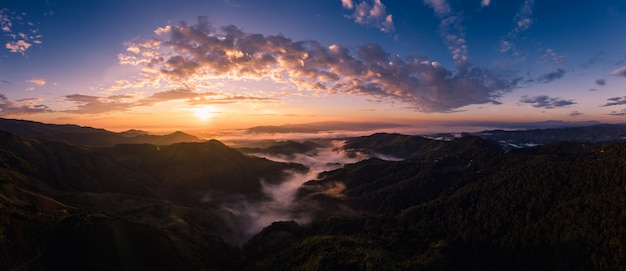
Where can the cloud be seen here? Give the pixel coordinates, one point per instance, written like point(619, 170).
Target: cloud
point(485, 3)
point(371, 13)
point(21, 107)
point(521, 22)
point(199, 98)
point(19, 46)
point(318, 127)
point(192, 54)
point(168, 95)
point(20, 33)
point(621, 71)
point(37, 81)
point(615, 101)
point(592, 60)
point(347, 4)
point(576, 114)
point(523, 18)
point(451, 29)
point(620, 113)
point(551, 76)
point(600, 82)
point(544, 101)
point(87, 104)
point(552, 57)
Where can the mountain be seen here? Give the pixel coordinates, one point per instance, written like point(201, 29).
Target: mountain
point(80, 135)
point(131, 206)
point(406, 146)
point(594, 134)
point(558, 206)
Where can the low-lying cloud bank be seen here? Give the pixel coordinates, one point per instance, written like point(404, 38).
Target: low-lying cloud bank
point(248, 217)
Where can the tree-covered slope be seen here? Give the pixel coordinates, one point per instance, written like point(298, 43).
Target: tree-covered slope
point(555, 207)
point(126, 207)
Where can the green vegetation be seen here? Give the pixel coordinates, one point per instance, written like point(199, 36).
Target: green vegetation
point(459, 205)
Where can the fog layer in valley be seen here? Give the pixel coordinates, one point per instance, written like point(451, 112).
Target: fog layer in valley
point(249, 217)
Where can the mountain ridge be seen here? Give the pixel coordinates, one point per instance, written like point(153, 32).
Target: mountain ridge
point(84, 135)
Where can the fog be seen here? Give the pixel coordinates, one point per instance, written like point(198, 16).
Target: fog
point(248, 217)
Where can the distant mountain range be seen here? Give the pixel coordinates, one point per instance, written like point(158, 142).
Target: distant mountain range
point(81, 135)
point(594, 134)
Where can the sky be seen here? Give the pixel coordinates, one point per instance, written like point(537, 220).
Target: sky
point(233, 64)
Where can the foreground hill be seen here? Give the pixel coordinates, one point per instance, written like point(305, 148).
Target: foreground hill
point(133, 206)
point(81, 135)
point(555, 207)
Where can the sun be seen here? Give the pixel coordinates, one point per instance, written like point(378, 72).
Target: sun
point(205, 112)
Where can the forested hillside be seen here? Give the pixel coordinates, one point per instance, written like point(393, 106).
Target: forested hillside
point(465, 204)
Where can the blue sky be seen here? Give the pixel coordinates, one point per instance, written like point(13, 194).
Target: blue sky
point(240, 63)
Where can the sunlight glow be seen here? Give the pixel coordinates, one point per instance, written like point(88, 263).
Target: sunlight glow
point(205, 112)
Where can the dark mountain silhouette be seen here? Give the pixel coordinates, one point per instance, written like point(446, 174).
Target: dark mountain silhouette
point(81, 135)
point(68, 206)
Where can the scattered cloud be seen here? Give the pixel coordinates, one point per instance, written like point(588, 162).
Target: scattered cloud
point(551, 76)
point(592, 60)
point(20, 33)
point(621, 71)
point(615, 101)
point(191, 54)
point(523, 19)
point(327, 126)
point(21, 107)
point(168, 95)
point(370, 13)
point(347, 4)
point(521, 22)
point(600, 82)
point(621, 113)
point(451, 29)
point(485, 3)
point(19, 46)
point(552, 57)
point(87, 104)
point(37, 81)
point(576, 114)
point(547, 102)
